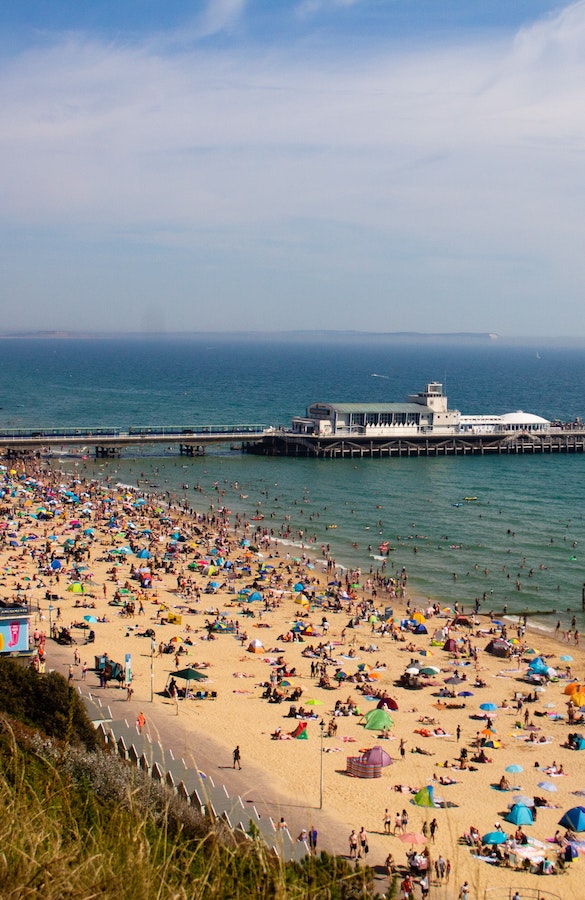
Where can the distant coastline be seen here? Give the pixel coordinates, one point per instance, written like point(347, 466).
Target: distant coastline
point(310, 337)
point(412, 336)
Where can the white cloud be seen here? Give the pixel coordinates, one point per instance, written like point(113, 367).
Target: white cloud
point(220, 15)
point(455, 170)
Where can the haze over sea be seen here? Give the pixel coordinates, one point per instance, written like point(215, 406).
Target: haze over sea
point(526, 526)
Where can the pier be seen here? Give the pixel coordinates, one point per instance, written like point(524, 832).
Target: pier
point(264, 440)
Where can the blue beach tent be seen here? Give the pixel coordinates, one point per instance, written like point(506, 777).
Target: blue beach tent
point(574, 819)
point(520, 815)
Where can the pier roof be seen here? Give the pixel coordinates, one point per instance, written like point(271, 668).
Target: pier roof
point(374, 407)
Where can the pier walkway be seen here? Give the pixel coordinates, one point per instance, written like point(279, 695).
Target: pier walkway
point(109, 441)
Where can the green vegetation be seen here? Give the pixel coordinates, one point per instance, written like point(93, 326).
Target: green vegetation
point(77, 822)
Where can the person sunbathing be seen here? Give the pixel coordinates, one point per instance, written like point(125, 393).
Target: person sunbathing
point(504, 784)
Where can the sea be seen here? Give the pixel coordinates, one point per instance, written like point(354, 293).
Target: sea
point(519, 547)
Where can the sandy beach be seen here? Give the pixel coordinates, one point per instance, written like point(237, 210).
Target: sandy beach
point(349, 655)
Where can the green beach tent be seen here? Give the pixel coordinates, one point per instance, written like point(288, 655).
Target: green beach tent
point(424, 797)
point(378, 719)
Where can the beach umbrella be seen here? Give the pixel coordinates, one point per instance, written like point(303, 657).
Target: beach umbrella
point(520, 815)
point(488, 707)
point(412, 837)
point(299, 586)
point(494, 837)
point(91, 619)
point(494, 744)
point(190, 674)
point(566, 658)
point(454, 679)
point(56, 564)
point(574, 819)
point(314, 702)
point(430, 670)
point(488, 730)
point(515, 768)
point(412, 670)
point(465, 694)
point(521, 800)
point(547, 786)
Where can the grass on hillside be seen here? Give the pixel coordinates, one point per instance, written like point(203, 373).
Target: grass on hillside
point(79, 823)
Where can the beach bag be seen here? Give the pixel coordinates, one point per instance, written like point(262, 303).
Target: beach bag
point(366, 848)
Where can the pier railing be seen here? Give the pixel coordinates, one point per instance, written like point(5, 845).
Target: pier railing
point(147, 431)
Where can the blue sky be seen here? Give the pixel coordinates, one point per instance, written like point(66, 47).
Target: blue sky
point(390, 165)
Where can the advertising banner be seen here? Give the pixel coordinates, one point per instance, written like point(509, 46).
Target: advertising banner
point(13, 635)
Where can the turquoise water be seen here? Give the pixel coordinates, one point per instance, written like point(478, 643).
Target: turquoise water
point(526, 524)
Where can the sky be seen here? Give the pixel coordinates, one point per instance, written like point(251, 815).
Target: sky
point(265, 165)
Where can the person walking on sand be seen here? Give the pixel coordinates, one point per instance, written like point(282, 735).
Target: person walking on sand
point(464, 891)
point(237, 758)
point(433, 829)
point(313, 836)
point(406, 887)
point(353, 844)
point(387, 821)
